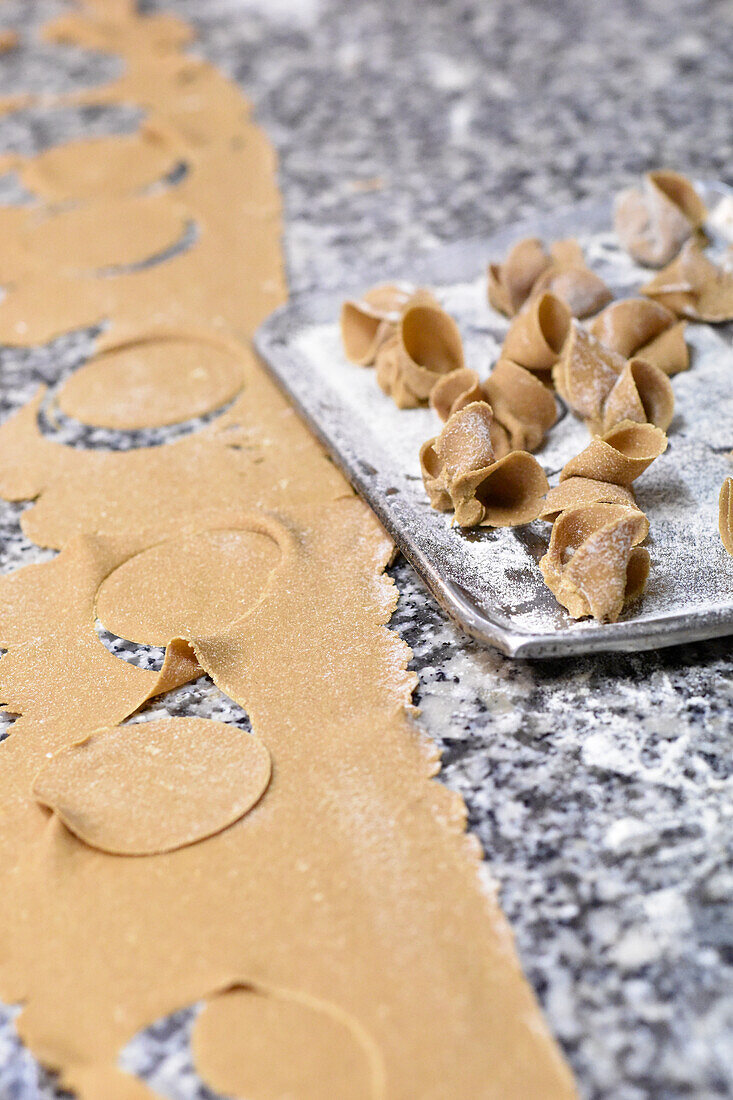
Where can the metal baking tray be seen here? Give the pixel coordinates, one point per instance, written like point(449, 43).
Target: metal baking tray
point(488, 580)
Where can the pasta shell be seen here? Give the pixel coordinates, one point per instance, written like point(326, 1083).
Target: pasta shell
point(655, 220)
point(427, 347)
point(368, 322)
point(593, 565)
point(669, 350)
point(454, 391)
point(582, 291)
point(640, 326)
point(460, 462)
point(586, 372)
point(693, 286)
point(583, 490)
point(521, 403)
point(619, 456)
point(511, 282)
point(725, 514)
point(536, 336)
point(643, 393)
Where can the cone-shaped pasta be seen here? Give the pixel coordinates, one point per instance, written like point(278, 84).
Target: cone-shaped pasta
point(654, 221)
point(460, 463)
point(669, 350)
point(643, 393)
point(619, 456)
point(426, 346)
point(537, 334)
point(585, 373)
point(583, 490)
point(725, 514)
point(521, 403)
point(524, 409)
point(593, 565)
point(511, 282)
point(693, 286)
point(582, 291)
point(644, 328)
point(368, 322)
point(454, 391)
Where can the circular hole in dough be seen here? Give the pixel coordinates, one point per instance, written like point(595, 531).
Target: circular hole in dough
point(193, 586)
point(264, 1046)
point(152, 383)
point(155, 786)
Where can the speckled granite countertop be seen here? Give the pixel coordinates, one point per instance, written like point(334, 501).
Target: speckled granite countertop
point(602, 790)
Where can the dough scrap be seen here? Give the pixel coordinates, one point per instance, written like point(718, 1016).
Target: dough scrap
point(643, 393)
point(594, 564)
point(285, 1046)
point(693, 286)
point(536, 335)
point(277, 903)
point(425, 347)
point(640, 327)
point(585, 373)
point(154, 786)
point(619, 456)
point(368, 322)
point(655, 220)
point(460, 472)
point(725, 514)
point(153, 380)
point(583, 490)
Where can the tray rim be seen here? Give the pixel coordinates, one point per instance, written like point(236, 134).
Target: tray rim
point(271, 341)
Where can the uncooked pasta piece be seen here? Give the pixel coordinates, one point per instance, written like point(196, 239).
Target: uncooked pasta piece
point(654, 221)
point(584, 490)
point(425, 347)
point(524, 409)
point(619, 456)
point(693, 286)
point(530, 270)
point(725, 514)
point(154, 786)
point(368, 322)
point(511, 282)
point(521, 404)
point(536, 335)
point(454, 391)
point(572, 281)
point(645, 328)
point(643, 393)
point(593, 565)
point(585, 373)
point(460, 471)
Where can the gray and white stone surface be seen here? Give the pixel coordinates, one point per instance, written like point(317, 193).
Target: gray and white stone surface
point(602, 790)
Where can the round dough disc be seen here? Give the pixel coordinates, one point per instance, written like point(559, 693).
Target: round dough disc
point(151, 383)
point(187, 588)
point(264, 1046)
point(94, 167)
point(155, 786)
